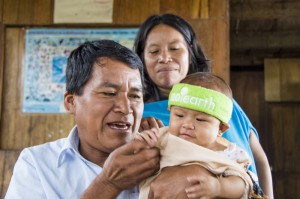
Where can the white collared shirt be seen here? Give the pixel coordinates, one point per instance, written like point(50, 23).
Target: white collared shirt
point(55, 170)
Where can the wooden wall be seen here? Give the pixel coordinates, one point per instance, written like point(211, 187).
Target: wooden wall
point(18, 130)
point(278, 124)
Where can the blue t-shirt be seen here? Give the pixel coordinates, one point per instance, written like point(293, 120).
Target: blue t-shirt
point(239, 131)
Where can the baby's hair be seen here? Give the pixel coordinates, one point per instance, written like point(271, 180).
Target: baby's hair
point(210, 81)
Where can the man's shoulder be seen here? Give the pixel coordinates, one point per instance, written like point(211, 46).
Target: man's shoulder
point(47, 150)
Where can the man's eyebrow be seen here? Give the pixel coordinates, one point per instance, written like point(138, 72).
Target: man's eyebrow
point(108, 84)
point(137, 89)
point(116, 86)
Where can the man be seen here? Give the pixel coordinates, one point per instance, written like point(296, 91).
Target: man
point(104, 92)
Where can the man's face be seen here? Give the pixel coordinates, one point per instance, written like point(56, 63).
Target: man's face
point(110, 108)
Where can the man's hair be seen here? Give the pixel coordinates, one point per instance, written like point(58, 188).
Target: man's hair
point(199, 63)
point(82, 59)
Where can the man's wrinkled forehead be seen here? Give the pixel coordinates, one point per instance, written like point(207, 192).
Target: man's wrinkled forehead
point(130, 76)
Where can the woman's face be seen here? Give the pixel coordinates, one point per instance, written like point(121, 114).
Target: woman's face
point(166, 57)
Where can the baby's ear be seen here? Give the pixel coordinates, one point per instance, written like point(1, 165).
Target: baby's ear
point(224, 127)
point(69, 103)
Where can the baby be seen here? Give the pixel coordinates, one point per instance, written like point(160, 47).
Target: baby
point(200, 108)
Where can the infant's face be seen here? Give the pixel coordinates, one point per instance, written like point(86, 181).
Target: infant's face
point(194, 126)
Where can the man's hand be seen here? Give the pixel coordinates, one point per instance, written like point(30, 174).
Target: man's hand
point(125, 168)
point(130, 164)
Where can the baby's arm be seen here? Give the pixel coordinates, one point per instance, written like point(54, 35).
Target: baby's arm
point(149, 136)
point(226, 187)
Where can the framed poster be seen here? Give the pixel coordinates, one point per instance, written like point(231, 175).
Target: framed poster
point(46, 53)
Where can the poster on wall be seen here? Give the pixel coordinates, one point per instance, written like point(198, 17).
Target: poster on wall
point(46, 53)
point(83, 11)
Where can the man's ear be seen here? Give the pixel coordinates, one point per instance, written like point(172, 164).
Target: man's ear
point(69, 103)
point(224, 127)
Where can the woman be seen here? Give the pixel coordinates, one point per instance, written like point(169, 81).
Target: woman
point(169, 49)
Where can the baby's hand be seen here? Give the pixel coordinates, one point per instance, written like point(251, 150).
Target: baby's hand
point(150, 136)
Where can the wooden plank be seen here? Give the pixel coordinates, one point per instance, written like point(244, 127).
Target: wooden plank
point(195, 9)
point(43, 12)
point(285, 120)
point(246, 88)
point(28, 12)
point(263, 10)
point(133, 12)
point(282, 82)
point(17, 129)
point(1, 9)
point(287, 185)
point(268, 40)
point(272, 80)
point(219, 15)
point(204, 9)
point(7, 162)
point(10, 9)
point(1, 63)
point(178, 7)
point(290, 79)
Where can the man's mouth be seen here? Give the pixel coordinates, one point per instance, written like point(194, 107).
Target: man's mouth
point(119, 125)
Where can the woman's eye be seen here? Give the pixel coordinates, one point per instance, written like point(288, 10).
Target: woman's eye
point(153, 51)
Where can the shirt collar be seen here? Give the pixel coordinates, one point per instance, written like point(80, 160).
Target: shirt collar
point(70, 146)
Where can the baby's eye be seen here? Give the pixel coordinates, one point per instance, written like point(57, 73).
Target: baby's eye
point(179, 115)
point(200, 119)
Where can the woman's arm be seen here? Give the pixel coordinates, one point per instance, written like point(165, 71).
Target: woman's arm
point(212, 187)
point(262, 165)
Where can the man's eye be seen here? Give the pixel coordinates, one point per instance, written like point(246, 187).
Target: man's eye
point(109, 94)
point(134, 96)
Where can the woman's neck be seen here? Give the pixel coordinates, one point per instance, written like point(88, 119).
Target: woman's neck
point(164, 93)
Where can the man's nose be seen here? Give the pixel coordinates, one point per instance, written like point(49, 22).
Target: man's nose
point(122, 105)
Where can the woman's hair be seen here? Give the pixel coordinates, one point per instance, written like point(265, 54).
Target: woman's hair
point(199, 63)
point(82, 59)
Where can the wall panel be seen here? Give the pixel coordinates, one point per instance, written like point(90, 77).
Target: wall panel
point(27, 12)
point(18, 129)
point(134, 12)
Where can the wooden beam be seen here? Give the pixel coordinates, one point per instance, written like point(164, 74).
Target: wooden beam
point(265, 40)
point(263, 10)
